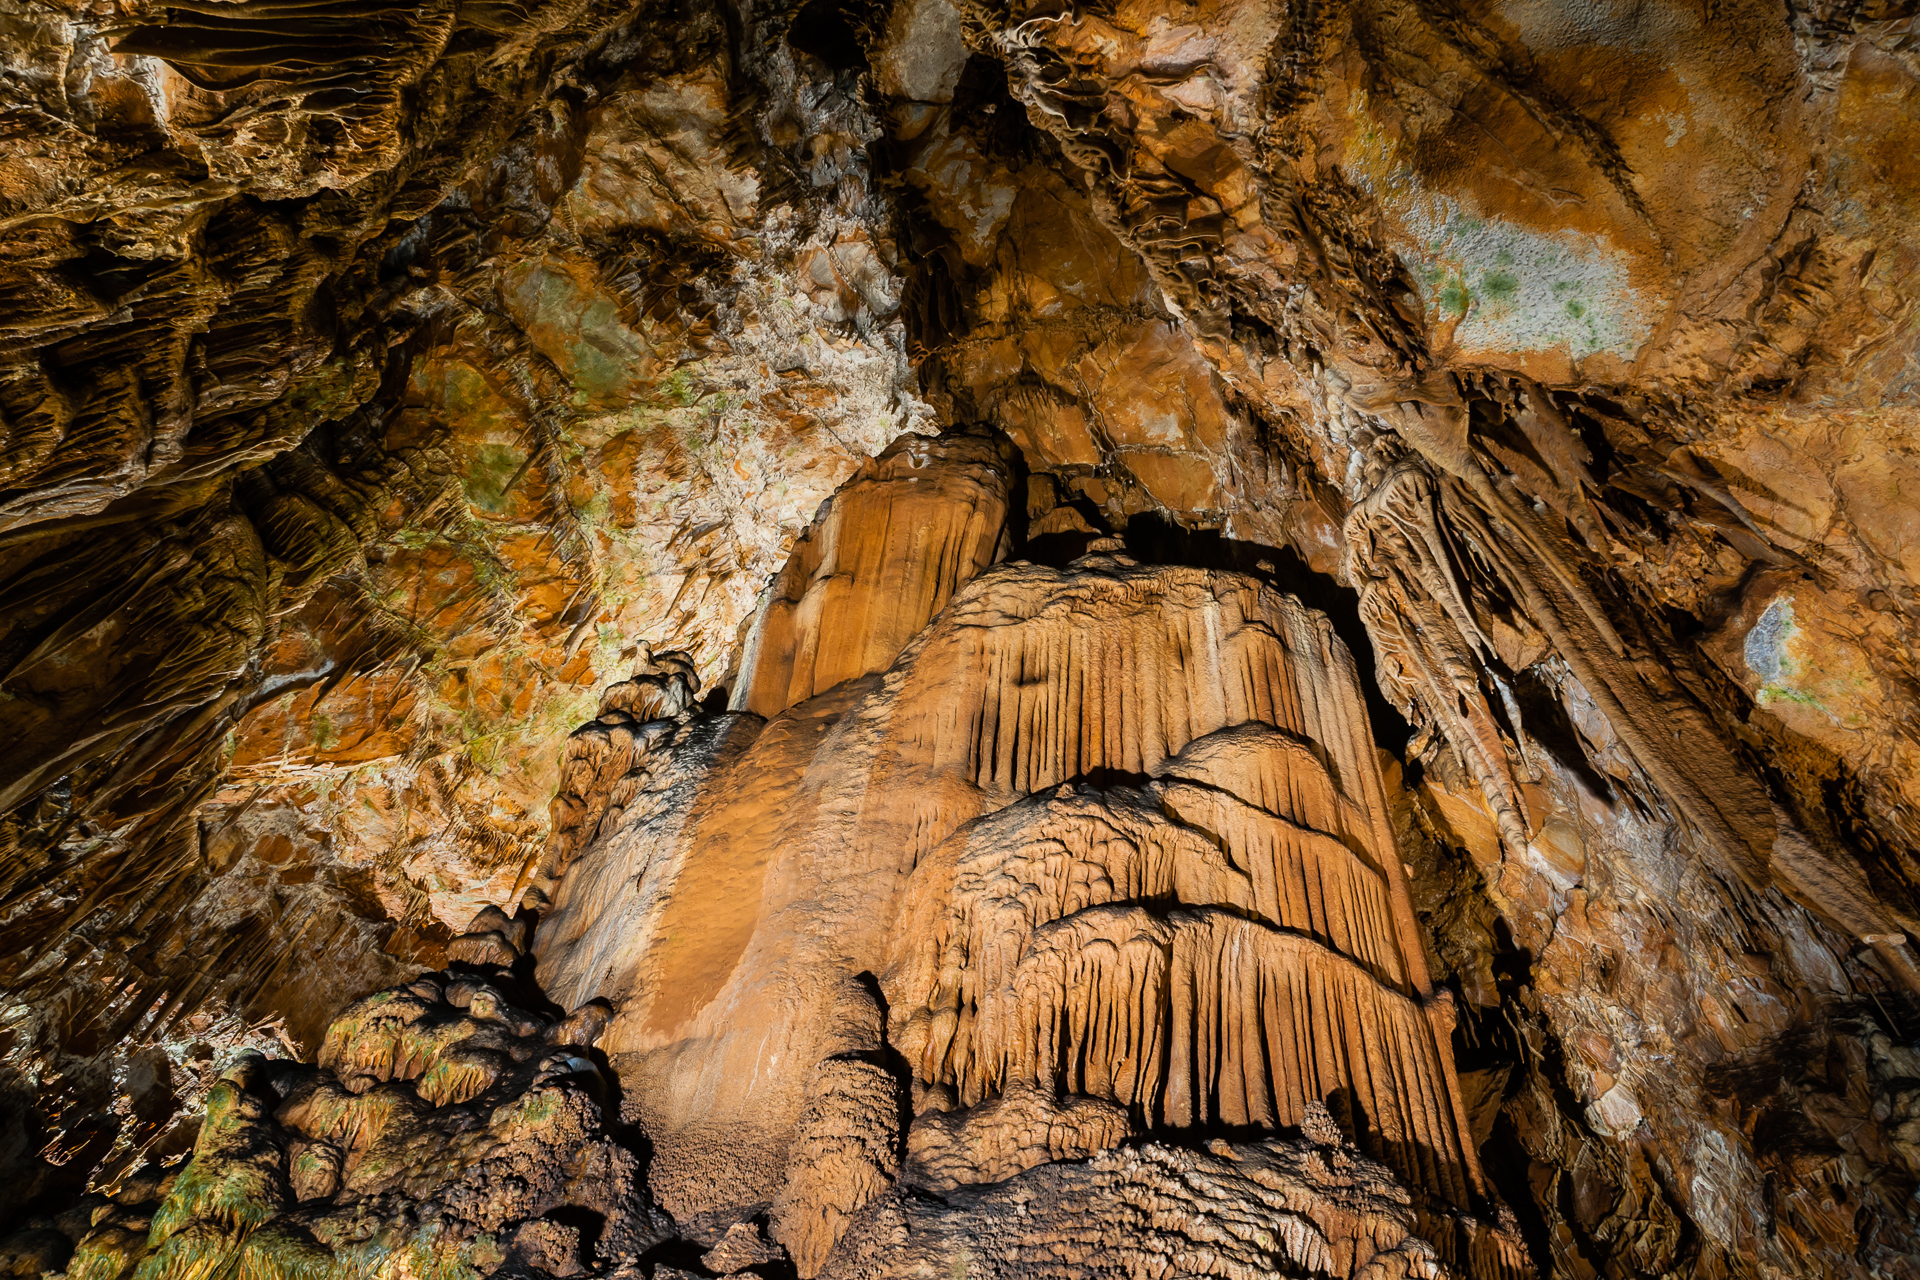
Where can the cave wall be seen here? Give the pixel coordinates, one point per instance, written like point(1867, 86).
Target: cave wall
point(383, 385)
point(451, 401)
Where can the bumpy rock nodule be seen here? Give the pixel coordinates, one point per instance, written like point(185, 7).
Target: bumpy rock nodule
point(441, 1130)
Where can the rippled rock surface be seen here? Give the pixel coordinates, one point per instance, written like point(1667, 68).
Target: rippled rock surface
point(414, 428)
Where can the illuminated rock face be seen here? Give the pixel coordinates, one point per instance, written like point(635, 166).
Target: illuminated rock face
point(404, 411)
point(894, 544)
point(1102, 850)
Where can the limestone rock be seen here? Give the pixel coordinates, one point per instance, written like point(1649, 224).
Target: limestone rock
point(1231, 1209)
point(743, 1246)
point(886, 554)
point(1022, 1127)
point(438, 1127)
point(1113, 840)
point(415, 423)
point(844, 1154)
point(349, 506)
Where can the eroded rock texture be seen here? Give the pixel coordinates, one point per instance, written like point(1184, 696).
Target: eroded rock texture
point(441, 1130)
point(1101, 851)
point(370, 375)
point(1151, 1209)
point(416, 421)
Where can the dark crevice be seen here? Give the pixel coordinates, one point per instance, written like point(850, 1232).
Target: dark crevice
point(1152, 539)
point(824, 29)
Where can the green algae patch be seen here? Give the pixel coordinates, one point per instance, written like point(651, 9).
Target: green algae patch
point(1510, 288)
point(578, 326)
point(233, 1184)
point(491, 469)
point(431, 1128)
point(1805, 673)
point(234, 1177)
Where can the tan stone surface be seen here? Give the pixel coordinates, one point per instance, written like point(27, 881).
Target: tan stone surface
point(404, 411)
point(1232, 1209)
point(331, 682)
point(914, 524)
point(900, 873)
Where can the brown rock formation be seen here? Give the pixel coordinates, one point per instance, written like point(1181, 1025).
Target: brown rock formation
point(1104, 850)
point(883, 558)
point(384, 389)
point(441, 1128)
point(346, 464)
point(1229, 1209)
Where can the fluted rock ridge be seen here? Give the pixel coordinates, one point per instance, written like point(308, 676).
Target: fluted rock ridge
point(1102, 851)
point(882, 558)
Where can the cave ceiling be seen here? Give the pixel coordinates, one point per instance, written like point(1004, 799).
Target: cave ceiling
point(936, 637)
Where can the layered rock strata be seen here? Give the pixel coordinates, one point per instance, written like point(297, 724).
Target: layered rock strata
point(1242, 1208)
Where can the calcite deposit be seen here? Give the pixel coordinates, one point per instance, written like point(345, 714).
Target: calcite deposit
point(947, 637)
point(1098, 852)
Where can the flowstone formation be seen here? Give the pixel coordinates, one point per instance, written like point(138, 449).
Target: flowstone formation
point(415, 423)
point(1097, 852)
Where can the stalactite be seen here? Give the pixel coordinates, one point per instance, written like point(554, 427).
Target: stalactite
point(1111, 840)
